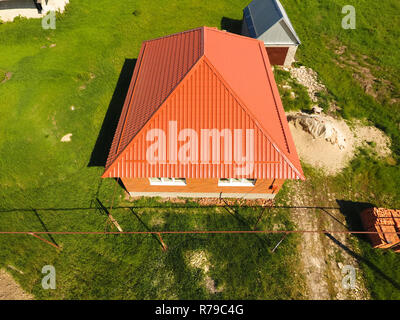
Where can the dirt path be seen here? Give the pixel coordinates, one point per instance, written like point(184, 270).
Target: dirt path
point(323, 256)
point(10, 290)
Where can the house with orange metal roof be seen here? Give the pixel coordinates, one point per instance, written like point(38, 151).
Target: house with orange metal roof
point(203, 118)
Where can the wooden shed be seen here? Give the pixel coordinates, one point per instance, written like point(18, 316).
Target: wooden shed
point(203, 118)
point(266, 20)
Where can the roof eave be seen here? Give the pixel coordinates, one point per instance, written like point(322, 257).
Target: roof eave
point(108, 168)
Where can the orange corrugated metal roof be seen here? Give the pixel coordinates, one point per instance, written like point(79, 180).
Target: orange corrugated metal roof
point(203, 78)
point(382, 220)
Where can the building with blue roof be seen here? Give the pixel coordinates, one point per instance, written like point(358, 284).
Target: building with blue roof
point(268, 21)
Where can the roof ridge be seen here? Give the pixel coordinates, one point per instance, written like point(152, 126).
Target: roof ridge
point(278, 9)
point(286, 19)
point(130, 91)
point(119, 151)
point(276, 104)
point(232, 34)
point(173, 35)
point(280, 14)
point(252, 20)
point(129, 103)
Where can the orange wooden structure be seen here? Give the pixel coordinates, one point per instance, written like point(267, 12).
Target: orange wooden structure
point(386, 222)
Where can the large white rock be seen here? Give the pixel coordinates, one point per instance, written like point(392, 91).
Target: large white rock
point(319, 127)
point(66, 138)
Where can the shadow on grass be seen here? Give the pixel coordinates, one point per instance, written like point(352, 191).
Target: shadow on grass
point(99, 154)
point(351, 210)
point(44, 227)
point(239, 265)
point(231, 25)
point(161, 206)
point(147, 227)
point(234, 212)
point(361, 259)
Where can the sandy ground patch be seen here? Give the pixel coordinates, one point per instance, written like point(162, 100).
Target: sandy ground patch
point(199, 259)
point(325, 153)
point(10, 290)
point(326, 142)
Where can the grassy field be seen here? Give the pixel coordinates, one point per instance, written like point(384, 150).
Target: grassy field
point(135, 267)
point(379, 266)
point(54, 183)
point(94, 42)
point(372, 45)
point(370, 56)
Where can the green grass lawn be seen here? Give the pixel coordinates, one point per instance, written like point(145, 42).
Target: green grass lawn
point(374, 46)
point(93, 42)
point(135, 267)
